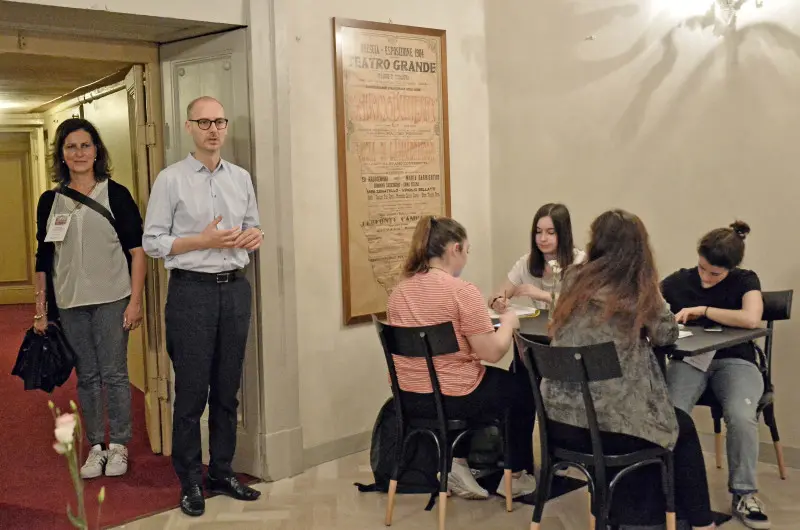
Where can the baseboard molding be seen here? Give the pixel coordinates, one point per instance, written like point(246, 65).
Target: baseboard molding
point(333, 450)
point(766, 451)
point(282, 454)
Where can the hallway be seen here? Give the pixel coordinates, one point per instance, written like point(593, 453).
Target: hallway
point(35, 484)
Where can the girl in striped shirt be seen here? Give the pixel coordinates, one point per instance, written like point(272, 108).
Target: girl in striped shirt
point(432, 293)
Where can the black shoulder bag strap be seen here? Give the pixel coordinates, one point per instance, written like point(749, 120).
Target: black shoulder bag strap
point(97, 207)
point(89, 202)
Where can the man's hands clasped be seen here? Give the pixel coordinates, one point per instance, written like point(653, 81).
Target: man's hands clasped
point(213, 237)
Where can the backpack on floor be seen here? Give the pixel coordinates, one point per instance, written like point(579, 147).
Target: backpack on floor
point(421, 459)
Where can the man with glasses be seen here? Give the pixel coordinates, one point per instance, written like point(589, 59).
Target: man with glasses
point(202, 219)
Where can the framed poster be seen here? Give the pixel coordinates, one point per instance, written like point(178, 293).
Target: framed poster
point(393, 150)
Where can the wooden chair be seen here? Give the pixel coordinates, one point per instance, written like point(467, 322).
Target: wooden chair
point(426, 343)
point(777, 306)
point(583, 365)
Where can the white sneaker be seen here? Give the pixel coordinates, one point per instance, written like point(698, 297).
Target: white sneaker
point(522, 485)
point(95, 462)
point(750, 510)
point(462, 484)
point(117, 460)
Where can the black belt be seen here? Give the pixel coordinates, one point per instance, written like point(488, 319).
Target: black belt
point(209, 277)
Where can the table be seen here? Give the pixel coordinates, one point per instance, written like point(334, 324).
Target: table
point(705, 341)
point(699, 342)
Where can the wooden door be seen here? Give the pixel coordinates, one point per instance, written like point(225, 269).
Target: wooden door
point(151, 345)
point(16, 216)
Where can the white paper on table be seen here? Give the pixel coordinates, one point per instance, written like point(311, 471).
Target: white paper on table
point(520, 310)
point(683, 333)
point(702, 361)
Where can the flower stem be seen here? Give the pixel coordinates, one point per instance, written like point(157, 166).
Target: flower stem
point(77, 481)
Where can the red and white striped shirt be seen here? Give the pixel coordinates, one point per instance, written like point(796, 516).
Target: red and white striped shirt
point(431, 298)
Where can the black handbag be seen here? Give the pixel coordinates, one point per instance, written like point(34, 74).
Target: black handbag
point(44, 361)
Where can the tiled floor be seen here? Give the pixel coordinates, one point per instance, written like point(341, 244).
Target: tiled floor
point(324, 498)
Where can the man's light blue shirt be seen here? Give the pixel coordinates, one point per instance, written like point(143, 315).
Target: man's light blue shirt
point(185, 198)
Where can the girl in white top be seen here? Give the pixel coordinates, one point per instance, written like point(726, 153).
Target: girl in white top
point(532, 275)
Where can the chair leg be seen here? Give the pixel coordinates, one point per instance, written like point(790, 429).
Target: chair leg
point(769, 419)
point(398, 464)
point(671, 523)
point(507, 472)
point(592, 520)
point(390, 505)
point(507, 477)
point(718, 441)
point(445, 458)
point(542, 492)
point(779, 457)
point(602, 500)
point(442, 509)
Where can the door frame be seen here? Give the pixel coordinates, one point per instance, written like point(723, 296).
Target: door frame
point(232, 44)
point(145, 54)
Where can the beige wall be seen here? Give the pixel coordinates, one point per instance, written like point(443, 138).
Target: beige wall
point(342, 370)
point(687, 129)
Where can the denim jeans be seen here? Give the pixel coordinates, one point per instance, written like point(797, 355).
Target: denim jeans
point(738, 386)
point(100, 342)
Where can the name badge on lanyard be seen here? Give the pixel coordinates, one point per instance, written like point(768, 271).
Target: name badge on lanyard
point(57, 230)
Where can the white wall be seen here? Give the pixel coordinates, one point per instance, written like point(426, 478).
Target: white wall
point(342, 371)
point(602, 104)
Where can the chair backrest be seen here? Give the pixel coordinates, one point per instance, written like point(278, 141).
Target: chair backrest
point(425, 342)
point(573, 364)
point(777, 306)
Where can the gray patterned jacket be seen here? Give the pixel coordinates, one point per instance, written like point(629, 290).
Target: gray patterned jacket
point(637, 404)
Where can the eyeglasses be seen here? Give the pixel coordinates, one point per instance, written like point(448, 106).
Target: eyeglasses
point(205, 124)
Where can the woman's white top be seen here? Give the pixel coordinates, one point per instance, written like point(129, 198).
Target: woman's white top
point(521, 275)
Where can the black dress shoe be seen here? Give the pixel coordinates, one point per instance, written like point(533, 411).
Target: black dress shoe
point(192, 501)
point(231, 487)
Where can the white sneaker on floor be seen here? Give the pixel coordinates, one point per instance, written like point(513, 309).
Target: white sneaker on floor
point(522, 485)
point(95, 462)
point(750, 511)
point(117, 460)
point(462, 484)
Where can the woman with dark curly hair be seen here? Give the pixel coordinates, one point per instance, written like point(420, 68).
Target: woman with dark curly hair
point(90, 271)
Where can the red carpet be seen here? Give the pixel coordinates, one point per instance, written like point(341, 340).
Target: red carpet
point(35, 484)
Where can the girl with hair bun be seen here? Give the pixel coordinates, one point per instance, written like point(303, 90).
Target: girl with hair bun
point(718, 292)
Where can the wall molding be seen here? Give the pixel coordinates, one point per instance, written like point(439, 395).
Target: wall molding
point(335, 449)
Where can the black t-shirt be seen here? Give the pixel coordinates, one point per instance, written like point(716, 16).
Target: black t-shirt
point(684, 289)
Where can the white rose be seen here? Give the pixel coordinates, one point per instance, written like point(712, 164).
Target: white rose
point(65, 428)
